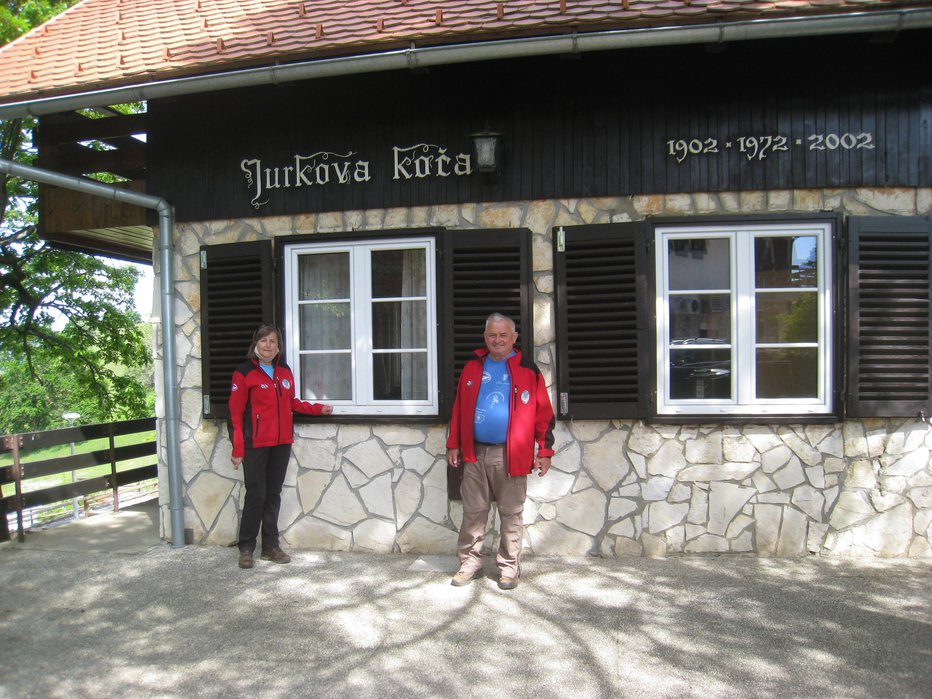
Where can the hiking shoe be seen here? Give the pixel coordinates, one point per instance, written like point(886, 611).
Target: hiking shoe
point(276, 555)
point(464, 578)
point(505, 583)
point(245, 559)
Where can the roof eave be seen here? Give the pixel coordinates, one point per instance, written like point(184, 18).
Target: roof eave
point(405, 55)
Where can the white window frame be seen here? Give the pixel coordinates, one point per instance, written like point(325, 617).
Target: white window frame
point(360, 301)
point(742, 294)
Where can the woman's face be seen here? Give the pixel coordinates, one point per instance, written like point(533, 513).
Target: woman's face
point(267, 348)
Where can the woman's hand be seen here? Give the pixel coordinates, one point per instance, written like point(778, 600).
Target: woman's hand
point(327, 410)
point(237, 460)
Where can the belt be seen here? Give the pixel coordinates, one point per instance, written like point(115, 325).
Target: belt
point(489, 444)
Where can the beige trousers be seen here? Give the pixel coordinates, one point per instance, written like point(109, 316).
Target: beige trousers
point(485, 481)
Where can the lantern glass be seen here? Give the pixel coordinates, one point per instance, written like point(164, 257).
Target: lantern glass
point(487, 150)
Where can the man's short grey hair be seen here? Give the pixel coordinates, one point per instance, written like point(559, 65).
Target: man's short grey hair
point(496, 317)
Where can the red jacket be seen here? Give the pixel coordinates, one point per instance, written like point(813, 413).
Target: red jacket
point(261, 408)
point(531, 418)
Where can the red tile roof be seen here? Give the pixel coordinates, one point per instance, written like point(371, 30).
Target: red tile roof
point(100, 44)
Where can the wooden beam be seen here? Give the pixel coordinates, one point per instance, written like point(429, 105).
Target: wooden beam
point(72, 128)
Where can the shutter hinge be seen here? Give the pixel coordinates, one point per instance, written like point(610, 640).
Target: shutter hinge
point(203, 259)
point(206, 406)
point(564, 403)
point(841, 243)
point(561, 239)
point(649, 245)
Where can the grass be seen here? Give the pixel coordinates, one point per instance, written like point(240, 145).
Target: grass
point(64, 450)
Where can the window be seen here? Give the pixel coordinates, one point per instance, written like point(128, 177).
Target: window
point(363, 315)
point(362, 320)
point(744, 319)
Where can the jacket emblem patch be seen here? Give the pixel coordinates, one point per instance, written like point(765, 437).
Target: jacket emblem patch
point(525, 396)
point(286, 383)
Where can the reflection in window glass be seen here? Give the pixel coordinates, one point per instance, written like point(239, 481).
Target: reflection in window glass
point(698, 318)
point(699, 263)
point(788, 373)
point(700, 373)
point(787, 317)
point(782, 262)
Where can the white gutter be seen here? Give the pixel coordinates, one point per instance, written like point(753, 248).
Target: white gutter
point(883, 21)
point(166, 279)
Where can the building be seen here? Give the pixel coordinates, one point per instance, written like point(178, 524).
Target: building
point(710, 220)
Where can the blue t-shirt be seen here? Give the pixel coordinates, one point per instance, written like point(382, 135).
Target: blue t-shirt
point(493, 406)
point(268, 369)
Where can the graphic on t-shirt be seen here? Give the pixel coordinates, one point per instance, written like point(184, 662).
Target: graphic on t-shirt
point(491, 401)
point(492, 408)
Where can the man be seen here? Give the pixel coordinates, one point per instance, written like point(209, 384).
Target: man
point(502, 410)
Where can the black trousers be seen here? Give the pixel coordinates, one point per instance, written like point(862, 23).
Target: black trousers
point(263, 474)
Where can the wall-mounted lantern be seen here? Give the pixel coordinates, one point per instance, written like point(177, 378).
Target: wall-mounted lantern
point(487, 150)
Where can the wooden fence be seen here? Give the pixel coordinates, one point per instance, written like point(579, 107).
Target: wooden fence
point(24, 468)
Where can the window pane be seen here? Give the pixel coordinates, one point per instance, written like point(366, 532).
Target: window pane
point(326, 377)
point(788, 373)
point(700, 318)
point(785, 261)
point(399, 325)
point(400, 376)
point(787, 317)
point(323, 276)
point(700, 373)
point(325, 326)
point(699, 263)
point(398, 273)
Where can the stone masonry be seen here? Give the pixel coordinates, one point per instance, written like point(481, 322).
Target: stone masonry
point(617, 488)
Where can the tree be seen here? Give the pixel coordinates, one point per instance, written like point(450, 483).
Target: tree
point(66, 318)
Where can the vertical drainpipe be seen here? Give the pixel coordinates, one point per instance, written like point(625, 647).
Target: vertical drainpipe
point(167, 285)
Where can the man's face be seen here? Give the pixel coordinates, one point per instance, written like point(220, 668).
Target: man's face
point(500, 339)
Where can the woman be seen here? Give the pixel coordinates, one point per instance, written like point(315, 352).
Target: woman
point(262, 401)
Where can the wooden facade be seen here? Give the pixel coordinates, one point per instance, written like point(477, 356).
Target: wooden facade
point(758, 116)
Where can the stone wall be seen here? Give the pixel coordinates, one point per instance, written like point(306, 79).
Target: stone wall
point(616, 487)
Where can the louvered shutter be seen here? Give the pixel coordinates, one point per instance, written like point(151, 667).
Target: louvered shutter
point(236, 298)
point(889, 268)
point(486, 271)
point(603, 355)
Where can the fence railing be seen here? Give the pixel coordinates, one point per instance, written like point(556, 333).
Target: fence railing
point(24, 470)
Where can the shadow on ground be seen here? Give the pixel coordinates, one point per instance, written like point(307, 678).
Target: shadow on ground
point(188, 623)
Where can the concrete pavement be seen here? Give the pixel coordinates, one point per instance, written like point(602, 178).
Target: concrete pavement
point(105, 615)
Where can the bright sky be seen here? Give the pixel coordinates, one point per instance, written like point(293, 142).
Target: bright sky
point(144, 289)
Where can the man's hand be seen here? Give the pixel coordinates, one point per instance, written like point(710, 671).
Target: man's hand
point(453, 457)
point(543, 465)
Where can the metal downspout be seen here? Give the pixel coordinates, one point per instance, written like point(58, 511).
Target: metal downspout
point(166, 280)
point(887, 21)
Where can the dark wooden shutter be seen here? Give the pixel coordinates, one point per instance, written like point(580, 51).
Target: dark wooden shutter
point(603, 321)
point(237, 283)
point(483, 271)
point(889, 363)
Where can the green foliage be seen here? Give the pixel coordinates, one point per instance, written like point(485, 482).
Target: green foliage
point(19, 16)
point(70, 339)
